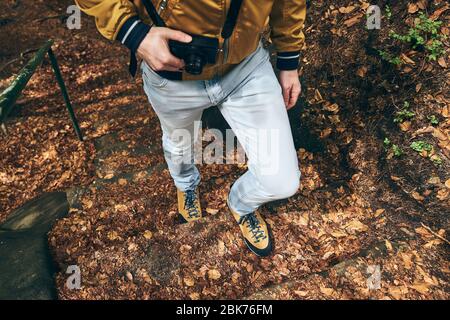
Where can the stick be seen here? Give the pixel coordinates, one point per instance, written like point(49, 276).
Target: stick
point(434, 233)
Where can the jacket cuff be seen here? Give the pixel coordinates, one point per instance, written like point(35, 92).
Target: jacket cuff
point(132, 33)
point(288, 60)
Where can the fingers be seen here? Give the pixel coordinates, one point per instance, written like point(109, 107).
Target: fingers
point(286, 95)
point(291, 94)
point(177, 35)
point(169, 60)
point(295, 93)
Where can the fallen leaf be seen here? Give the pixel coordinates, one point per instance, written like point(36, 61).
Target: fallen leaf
point(412, 8)
point(420, 287)
point(356, 225)
point(327, 291)
point(405, 126)
point(447, 183)
point(213, 274)
point(353, 20)
point(442, 63)
point(347, 9)
point(388, 245)
point(212, 211)
point(148, 234)
point(194, 296)
point(417, 196)
point(189, 281)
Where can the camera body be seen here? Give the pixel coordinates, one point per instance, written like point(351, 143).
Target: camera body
point(197, 53)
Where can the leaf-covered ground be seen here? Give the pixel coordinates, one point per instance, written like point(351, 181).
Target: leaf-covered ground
point(375, 183)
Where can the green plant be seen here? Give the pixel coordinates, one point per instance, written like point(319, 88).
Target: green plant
point(386, 56)
point(404, 114)
point(435, 49)
point(436, 159)
point(396, 150)
point(425, 32)
point(433, 120)
point(388, 11)
point(420, 146)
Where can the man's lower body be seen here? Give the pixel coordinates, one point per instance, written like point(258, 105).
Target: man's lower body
point(250, 99)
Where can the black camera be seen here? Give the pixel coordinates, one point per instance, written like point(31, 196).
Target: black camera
point(201, 50)
point(197, 53)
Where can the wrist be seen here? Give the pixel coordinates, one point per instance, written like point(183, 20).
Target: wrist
point(133, 33)
point(288, 61)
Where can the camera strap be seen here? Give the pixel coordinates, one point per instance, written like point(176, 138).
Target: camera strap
point(232, 17)
point(227, 30)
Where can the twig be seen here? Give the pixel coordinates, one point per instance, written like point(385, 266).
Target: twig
point(58, 16)
point(21, 57)
point(434, 233)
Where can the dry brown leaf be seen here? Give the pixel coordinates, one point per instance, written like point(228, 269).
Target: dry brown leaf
point(362, 71)
point(407, 260)
point(148, 234)
point(443, 194)
point(214, 274)
point(356, 225)
point(120, 207)
point(353, 20)
point(388, 245)
point(327, 291)
point(442, 62)
point(301, 293)
point(417, 196)
point(87, 203)
point(398, 292)
point(339, 234)
point(447, 183)
point(405, 126)
point(348, 9)
point(189, 281)
point(212, 211)
point(407, 59)
point(420, 287)
point(412, 8)
point(325, 133)
point(194, 296)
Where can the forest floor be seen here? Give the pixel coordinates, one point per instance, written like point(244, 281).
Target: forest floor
point(375, 193)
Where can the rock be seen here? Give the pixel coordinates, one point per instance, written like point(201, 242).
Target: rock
point(38, 214)
point(26, 267)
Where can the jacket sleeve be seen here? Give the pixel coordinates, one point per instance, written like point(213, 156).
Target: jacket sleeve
point(286, 21)
point(116, 20)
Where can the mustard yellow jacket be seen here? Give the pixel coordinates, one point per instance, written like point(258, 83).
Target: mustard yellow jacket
point(127, 21)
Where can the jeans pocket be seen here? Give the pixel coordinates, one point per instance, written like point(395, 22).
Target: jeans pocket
point(151, 78)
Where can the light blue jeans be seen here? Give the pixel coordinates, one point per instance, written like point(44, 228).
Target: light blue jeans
point(250, 98)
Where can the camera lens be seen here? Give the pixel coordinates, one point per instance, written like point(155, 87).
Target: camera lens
point(194, 64)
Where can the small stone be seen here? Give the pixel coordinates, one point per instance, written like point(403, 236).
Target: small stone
point(129, 276)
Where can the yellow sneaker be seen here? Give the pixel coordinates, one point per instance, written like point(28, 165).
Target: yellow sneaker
point(256, 233)
point(189, 205)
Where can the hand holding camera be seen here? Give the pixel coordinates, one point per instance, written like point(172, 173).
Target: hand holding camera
point(155, 51)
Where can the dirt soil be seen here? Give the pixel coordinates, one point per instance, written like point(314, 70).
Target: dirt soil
point(362, 206)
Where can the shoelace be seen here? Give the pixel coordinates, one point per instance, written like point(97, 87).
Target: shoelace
point(254, 226)
point(189, 204)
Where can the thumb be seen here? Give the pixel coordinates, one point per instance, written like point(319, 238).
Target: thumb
point(178, 36)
